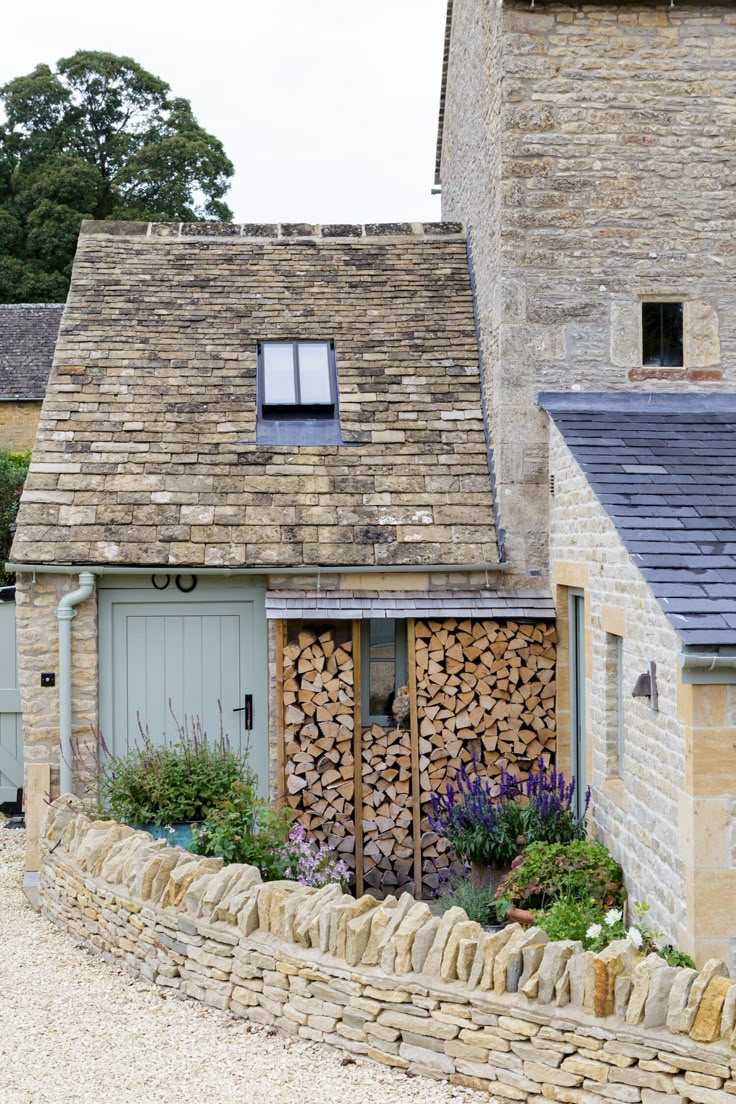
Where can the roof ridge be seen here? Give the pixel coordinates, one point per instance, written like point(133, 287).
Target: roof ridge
point(282, 231)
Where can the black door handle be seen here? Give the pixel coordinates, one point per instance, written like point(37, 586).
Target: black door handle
point(248, 710)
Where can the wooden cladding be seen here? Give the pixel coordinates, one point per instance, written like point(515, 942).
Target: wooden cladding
point(482, 689)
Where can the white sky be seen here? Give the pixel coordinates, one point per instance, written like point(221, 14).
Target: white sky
point(327, 108)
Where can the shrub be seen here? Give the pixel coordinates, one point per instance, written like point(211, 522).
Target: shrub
point(170, 783)
point(246, 829)
point(312, 864)
point(480, 826)
point(549, 815)
point(582, 869)
point(13, 469)
point(569, 918)
point(478, 901)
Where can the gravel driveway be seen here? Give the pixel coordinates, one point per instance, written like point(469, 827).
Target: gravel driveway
point(74, 1030)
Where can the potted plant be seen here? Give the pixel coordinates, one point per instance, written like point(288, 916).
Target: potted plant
point(482, 827)
point(165, 788)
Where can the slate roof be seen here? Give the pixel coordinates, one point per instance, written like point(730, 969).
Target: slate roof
point(146, 448)
point(348, 605)
point(664, 468)
point(28, 334)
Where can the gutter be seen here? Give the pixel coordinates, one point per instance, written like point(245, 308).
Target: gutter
point(65, 613)
point(267, 569)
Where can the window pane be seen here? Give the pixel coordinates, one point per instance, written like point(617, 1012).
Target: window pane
point(382, 687)
point(382, 639)
point(672, 335)
point(314, 374)
point(651, 326)
point(278, 374)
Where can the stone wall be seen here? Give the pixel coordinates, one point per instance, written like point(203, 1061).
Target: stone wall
point(18, 424)
point(588, 148)
point(642, 808)
point(507, 1012)
point(36, 599)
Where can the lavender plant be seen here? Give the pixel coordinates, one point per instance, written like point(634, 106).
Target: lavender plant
point(482, 826)
point(549, 815)
point(312, 864)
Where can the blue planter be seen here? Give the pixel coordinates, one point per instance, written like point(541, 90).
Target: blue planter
point(181, 836)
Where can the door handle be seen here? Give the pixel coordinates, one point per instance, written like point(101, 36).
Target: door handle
point(248, 710)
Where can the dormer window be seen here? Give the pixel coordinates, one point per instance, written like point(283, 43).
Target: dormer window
point(297, 393)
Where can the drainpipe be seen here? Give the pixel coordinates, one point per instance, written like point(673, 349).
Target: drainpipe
point(65, 612)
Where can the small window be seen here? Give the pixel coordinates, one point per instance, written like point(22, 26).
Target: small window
point(383, 661)
point(297, 393)
point(661, 327)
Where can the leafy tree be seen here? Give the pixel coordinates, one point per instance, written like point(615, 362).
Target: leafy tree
point(13, 469)
point(100, 138)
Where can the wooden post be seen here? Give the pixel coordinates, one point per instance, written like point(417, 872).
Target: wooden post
point(281, 643)
point(358, 760)
point(35, 795)
point(414, 733)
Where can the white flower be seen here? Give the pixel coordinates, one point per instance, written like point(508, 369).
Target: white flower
point(594, 931)
point(612, 917)
point(634, 936)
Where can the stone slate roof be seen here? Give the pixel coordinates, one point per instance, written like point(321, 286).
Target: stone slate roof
point(28, 334)
point(146, 449)
point(664, 468)
point(346, 604)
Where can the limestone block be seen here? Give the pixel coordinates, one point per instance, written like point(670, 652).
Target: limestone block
point(701, 342)
point(428, 1060)
point(356, 938)
point(110, 866)
point(728, 1016)
point(413, 921)
point(328, 918)
point(229, 904)
point(625, 334)
point(707, 1024)
point(465, 929)
point(435, 1029)
point(712, 968)
point(465, 958)
point(98, 841)
point(488, 950)
point(531, 960)
point(218, 887)
point(679, 997)
point(656, 1008)
point(310, 910)
point(382, 918)
point(156, 875)
point(511, 951)
point(365, 904)
point(614, 960)
point(554, 960)
point(296, 906)
point(641, 978)
point(700, 1095)
point(179, 880)
point(433, 962)
point(582, 983)
point(422, 945)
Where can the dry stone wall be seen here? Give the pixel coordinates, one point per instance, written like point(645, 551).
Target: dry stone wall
point(505, 1012)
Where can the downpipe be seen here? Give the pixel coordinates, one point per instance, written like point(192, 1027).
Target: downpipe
point(65, 613)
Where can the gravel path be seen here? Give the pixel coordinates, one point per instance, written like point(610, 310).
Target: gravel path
point(75, 1030)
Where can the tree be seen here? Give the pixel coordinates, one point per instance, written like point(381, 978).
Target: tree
point(100, 138)
point(13, 470)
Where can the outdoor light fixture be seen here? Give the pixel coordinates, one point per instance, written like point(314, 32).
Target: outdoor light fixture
point(646, 686)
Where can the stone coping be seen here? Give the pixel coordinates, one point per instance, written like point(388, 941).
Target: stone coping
point(509, 1012)
point(283, 230)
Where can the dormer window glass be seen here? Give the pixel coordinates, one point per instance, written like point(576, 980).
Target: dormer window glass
point(297, 393)
point(661, 329)
point(298, 374)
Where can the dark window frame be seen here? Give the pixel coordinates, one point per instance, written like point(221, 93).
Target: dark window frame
point(400, 661)
point(667, 348)
point(297, 423)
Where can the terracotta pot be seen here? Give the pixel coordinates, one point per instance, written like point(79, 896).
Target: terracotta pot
point(519, 916)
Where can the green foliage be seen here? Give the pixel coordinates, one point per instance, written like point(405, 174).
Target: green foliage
point(582, 869)
point(13, 469)
point(673, 957)
point(245, 829)
point(99, 137)
point(478, 901)
point(171, 783)
point(569, 918)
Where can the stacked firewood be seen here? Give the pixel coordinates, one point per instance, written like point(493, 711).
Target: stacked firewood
point(319, 722)
point(485, 690)
point(388, 850)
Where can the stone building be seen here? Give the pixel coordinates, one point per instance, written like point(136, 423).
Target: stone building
point(588, 148)
point(27, 337)
point(261, 445)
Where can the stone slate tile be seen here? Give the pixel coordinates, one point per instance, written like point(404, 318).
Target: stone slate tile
point(664, 468)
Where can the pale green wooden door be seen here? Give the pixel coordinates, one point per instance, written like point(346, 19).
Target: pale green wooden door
point(166, 656)
point(11, 728)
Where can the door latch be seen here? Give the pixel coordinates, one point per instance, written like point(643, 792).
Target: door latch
point(248, 710)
